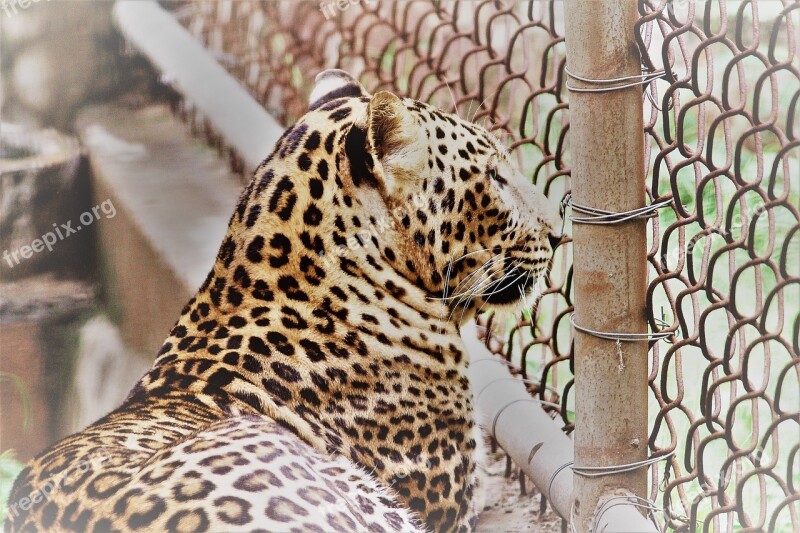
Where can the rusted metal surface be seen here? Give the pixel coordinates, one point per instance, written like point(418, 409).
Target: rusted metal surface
point(725, 268)
point(609, 259)
point(721, 141)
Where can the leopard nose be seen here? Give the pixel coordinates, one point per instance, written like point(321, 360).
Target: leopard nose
point(555, 240)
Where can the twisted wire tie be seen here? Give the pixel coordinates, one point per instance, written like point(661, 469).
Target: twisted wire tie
point(633, 500)
point(550, 485)
point(599, 471)
point(606, 85)
point(602, 216)
point(621, 336)
point(608, 470)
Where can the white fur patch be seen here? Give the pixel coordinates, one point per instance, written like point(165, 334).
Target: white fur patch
point(331, 80)
point(326, 86)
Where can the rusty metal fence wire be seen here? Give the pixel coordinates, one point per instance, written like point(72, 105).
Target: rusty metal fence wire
point(722, 144)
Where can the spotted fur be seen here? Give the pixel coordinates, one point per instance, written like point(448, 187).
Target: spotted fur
point(317, 380)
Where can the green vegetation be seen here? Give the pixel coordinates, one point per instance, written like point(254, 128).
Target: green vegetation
point(9, 470)
point(9, 466)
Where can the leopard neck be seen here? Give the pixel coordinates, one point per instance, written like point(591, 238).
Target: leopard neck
point(303, 272)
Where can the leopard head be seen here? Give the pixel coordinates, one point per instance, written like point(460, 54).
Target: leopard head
point(467, 227)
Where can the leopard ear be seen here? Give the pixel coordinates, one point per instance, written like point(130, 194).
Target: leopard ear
point(396, 136)
point(334, 83)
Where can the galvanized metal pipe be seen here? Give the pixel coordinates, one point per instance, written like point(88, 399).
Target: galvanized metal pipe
point(242, 122)
point(533, 440)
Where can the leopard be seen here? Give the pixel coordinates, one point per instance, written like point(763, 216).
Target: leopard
point(317, 380)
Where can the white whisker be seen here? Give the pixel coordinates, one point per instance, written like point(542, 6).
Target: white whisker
point(473, 289)
point(489, 264)
point(471, 253)
point(469, 294)
point(453, 98)
point(446, 287)
point(508, 285)
point(472, 119)
point(498, 282)
point(449, 272)
point(504, 277)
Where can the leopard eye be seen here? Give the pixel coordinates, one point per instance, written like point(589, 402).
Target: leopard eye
point(494, 176)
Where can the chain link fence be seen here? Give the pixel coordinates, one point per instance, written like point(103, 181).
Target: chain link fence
point(722, 145)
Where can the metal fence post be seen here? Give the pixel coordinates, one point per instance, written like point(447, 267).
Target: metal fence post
point(607, 143)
